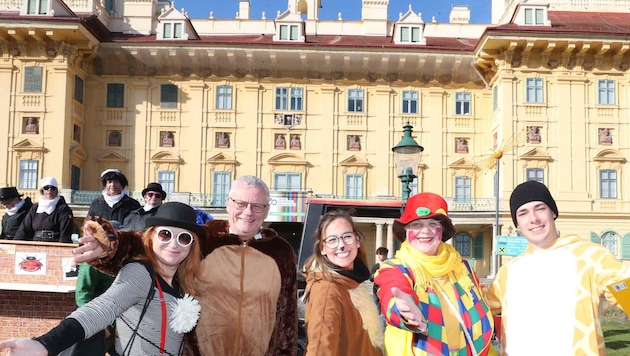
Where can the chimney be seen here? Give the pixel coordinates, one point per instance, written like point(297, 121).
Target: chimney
point(459, 14)
point(244, 8)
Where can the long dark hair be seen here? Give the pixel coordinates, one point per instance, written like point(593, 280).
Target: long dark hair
point(317, 261)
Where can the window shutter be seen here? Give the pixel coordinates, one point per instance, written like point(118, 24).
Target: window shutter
point(595, 238)
point(625, 247)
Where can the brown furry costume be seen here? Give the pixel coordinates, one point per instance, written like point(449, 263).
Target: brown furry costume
point(248, 297)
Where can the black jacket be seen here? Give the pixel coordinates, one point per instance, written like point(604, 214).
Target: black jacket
point(59, 222)
point(11, 224)
point(136, 219)
point(118, 212)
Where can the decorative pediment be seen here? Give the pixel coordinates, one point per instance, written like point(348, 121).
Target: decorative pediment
point(221, 158)
point(609, 156)
point(463, 163)
point(171, 13)
point(166, 157)
point(410, 17)
point(28, 145)
point(287, 159)
point(112, 157)
point(78, 153)
point(535, 155)
point(175, 25)
point(354, 161)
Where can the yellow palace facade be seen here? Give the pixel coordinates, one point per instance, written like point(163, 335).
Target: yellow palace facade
point(313, 107)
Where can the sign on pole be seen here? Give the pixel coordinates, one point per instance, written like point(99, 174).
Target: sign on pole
point(511, 245)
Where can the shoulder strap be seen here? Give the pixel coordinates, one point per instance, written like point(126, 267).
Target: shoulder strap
point(144, 308)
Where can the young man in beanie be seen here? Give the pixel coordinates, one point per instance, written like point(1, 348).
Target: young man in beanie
point(16, 210)
point(549, 296)
point(153, 196)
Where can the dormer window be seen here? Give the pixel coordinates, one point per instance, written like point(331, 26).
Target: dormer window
point(172, 30)
point(409, 34)
point(37, 7)
point(288, 32)
point(533, 15)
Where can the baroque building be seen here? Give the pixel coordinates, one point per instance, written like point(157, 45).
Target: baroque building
point(313, 107)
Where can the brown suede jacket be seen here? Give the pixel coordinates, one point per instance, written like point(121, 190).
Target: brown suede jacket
point(248, 296)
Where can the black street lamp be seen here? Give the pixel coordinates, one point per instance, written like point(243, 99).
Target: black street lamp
point(407, 155)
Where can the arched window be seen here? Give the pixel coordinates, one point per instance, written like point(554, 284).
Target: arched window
point(462, 242)
point(610, 240)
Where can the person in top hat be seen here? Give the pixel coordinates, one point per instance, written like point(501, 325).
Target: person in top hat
point(146, 297)
point(115, 202)
point(153, 196)
point(562, 277)
point(16, 210)
point(429, 294)
point(50, 219)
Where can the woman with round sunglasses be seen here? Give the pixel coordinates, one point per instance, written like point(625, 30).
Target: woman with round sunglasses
point(341, 317)
point(50, 219)
point(144, 297)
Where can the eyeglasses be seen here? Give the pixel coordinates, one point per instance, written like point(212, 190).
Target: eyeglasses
point(421, 224)
point(165, 235)
point(49, 187)
point(242, 205)
point(332, 241)
point(154, 195)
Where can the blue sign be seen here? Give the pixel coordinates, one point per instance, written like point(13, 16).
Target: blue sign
point(511, 245)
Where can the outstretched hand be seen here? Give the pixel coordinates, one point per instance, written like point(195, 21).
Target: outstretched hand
point(89, 249)
point(409, 311)
point(23, 347)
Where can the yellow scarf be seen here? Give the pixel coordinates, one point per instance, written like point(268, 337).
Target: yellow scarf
point(426, 267)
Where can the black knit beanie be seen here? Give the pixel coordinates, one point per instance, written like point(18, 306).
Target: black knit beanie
point(531, 191)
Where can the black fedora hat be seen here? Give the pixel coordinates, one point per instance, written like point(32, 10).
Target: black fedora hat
point(154, 187)
point(178, 215)
point(9, 193)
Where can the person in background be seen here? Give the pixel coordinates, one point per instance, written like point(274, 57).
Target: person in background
point(153, 196)
point(340, 315)
point(114, 205)
point(554, 287)
point(429, 295)
point(115, 202)
point(16, 210)
point(249, 298)
point(381, 255)
point(50, 219)
point(145, 297)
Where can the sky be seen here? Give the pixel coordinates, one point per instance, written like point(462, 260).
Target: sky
point(350, 9)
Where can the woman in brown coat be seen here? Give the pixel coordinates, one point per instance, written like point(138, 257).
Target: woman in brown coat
point(341, 317)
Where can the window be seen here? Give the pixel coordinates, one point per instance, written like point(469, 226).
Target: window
point(355, 100)
point(606, 92)
point(33, 79)
point(224, 97)
point(168, 96)
point(289, 98)
point(536, 174)
point(409, 102)
point(167, 180)
point(478, 247)
point(461, 241)
point(534, 90)
point(220, 187)
point(78, 89)
point(609, 240)
point(462, 189)
point(75, 177)
point(115, 95)
point(172, 30)
point(534, 16)
point(287, 181)
point(109, 6)
point(37, 7)
point(354, 186)
point(28, 174)
point(410, 34)
point(289, 32)
point(495, 98)
point(608, 184)
point(462, 103)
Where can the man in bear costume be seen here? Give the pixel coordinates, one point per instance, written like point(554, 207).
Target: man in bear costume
point(248, 294)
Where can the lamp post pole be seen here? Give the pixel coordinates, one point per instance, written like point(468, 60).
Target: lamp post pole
point(407, 155)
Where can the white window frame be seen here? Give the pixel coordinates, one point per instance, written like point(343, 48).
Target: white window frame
point(289, 98)
point(606, 91)
point(288, 181)
point(167, 180)
point(410, 101)
point(537, 174)
point(33, 79)
point(356, 100)
point(354, 186)
point(409, 34)
point(38, 7)
point(29, 171)
point(533, 16)
point(608, 184)
point(224, 97)
point(462, 189)
point(173, 30)
point(289, 32)
point(463, 103)
point(221, 182)
point(534, 90)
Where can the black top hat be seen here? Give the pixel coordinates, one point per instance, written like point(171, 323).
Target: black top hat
point(178, 215)
point(9, 193)
point(154, 187)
